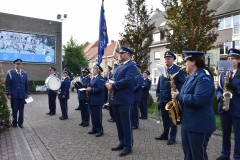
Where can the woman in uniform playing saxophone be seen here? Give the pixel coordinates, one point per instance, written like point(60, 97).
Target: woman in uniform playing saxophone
point(196, 99)
point(230, 118)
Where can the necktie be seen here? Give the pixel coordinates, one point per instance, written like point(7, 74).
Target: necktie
point(231, 74)
point(19, 74)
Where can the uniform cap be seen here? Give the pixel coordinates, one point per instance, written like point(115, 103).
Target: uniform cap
point(98, 67)
point(233, 52)
point(52, 68)
point(146, 71)
point(65, 70)
point(125, 50)
point(84, 69)
point(194, 54)
point(18, 61)
point(169, 54)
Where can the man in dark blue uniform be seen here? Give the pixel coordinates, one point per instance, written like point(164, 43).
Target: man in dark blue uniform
point(83, 97)
point(52, 95)
point(230, 118)
point(17, 91)
point(145, 94)
point(122, 99)
point(64, 93)
point(163, 93)
point(111, 112)
point(138, 82)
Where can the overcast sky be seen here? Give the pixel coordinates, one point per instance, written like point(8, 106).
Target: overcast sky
point(82, 15)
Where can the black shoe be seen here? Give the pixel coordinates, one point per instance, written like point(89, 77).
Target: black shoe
point(20, 125)
point(14, 125)
point(81, 124)
point(134, 127)
point(91, 132)
point(161, 138)
point(78, 108)
point(63, 118)
point(141, 117)
point(48, 113)
point(170, 142)
point(118, 148)
point(85, 125)
point(125, 152)
point(223, 158)
point(99, 134)
point(52, 114)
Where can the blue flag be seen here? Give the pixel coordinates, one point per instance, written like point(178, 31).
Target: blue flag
point(103, 36)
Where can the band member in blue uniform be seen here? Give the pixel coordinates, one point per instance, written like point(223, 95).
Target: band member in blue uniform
point(63, 96)
point(196, 100)
point(17, 91)
point(163, 93)
point(230, 118)
point(145, 94)
point(83, 97)
point(122, 99)
point(96, 94)
point(138, 82)
point(52, 95)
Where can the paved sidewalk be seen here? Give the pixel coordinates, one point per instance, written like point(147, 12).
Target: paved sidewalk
point(47, 138)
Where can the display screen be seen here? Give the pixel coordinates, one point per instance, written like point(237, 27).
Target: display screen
point(33, 48)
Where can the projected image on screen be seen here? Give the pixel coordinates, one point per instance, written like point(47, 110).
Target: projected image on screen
point(33, 48)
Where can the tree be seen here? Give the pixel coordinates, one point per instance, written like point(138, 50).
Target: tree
point(5, 120)
point(138, 31)
point(192, 25)
point(74, 57)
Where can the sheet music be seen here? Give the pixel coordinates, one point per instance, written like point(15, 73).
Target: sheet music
point(82, 89)
point(162, 70)
point(29, 100)
point(225, 65)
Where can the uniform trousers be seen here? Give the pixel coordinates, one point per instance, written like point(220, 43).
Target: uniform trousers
point(124, 125)
point(195, 145)
point(135, 114)
point(167, 124)
point(227, 122)
point(96, 117)
point(64, 107)
point(18, 107)
point(85, 114)
point(52, 103)
point(144, 107)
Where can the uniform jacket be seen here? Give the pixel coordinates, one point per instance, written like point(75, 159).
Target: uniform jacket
point(138, 82)
point(234, 107)
point(96, 95)
point(82, 95)
point(17, 87)
point(51, 92)
point(196, 100)
point(145, 88)
point(124, 84)
point(163, 87)
point(64, 89)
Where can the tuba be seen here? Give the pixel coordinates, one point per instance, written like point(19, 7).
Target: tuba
point(227, 95)
point(172, 107)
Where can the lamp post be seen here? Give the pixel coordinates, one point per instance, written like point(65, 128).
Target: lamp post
point(61, 17)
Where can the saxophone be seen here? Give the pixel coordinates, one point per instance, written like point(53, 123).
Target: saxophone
point(172, 107)
point(227, 95)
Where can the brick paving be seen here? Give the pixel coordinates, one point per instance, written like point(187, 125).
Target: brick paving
point(47, 138)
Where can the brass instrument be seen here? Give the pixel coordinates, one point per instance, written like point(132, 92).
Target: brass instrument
point(172, 107)
point(227, 95)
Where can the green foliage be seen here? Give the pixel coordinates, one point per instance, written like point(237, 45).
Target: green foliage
point(138, 31)
point(193, 25)
point(33, 83)
point(5, 117)
point(74, 57)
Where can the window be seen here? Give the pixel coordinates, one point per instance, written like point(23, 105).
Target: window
point(228, 22)
point(236, 22)
point(157, 56)
point(221, 24)
point(156, 37)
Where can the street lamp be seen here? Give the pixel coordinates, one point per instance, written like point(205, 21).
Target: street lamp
point(61, 17)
